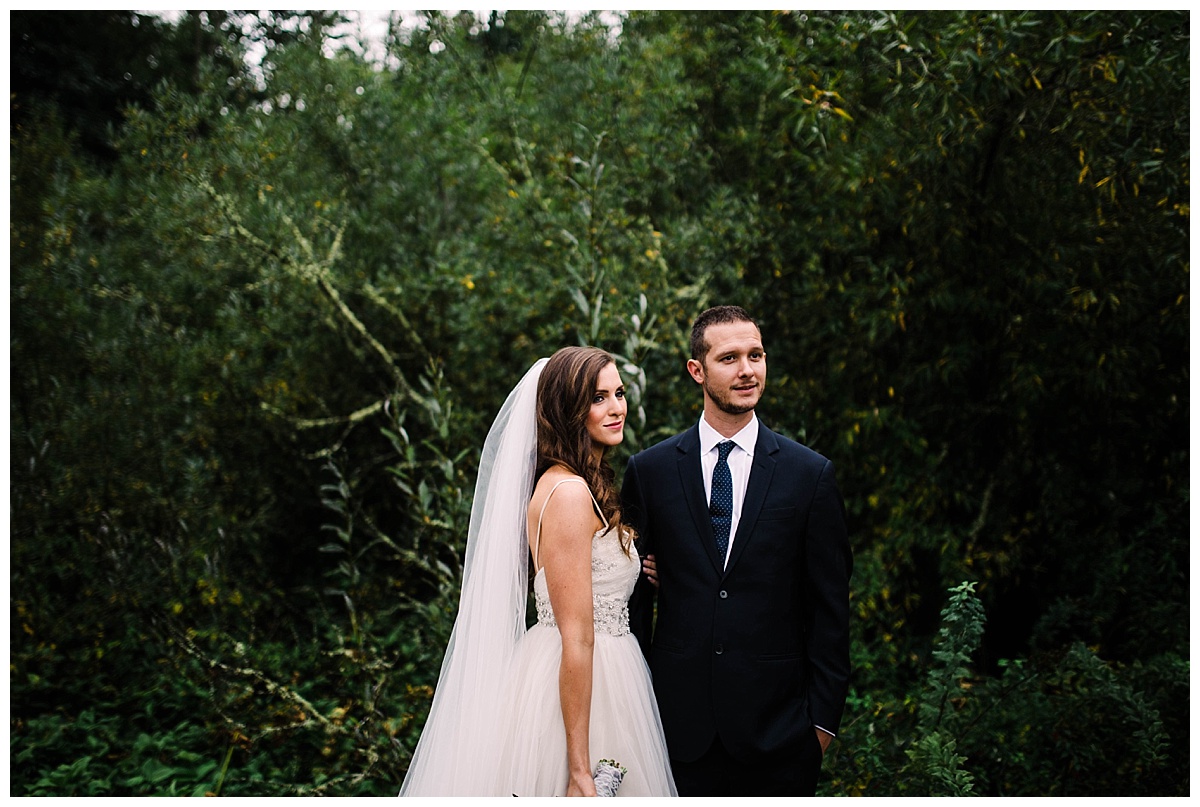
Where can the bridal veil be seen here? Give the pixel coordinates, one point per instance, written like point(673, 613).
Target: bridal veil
point(459, 750)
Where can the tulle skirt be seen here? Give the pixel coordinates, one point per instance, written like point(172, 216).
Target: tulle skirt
point(624, 724)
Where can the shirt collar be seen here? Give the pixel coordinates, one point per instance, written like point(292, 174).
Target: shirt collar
point(746, 439)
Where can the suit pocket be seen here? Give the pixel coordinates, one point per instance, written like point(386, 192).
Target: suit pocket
point(780, 656)
point(777, 514)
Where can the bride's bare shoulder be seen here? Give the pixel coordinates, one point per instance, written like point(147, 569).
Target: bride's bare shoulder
point(552, 477)
point(568, 495)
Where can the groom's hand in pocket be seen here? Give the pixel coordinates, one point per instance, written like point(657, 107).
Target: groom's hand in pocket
point(824, 738)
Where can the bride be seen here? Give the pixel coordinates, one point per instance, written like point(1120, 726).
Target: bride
point(531, 713)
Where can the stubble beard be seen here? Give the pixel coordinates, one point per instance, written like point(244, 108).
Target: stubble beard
point(723, 402)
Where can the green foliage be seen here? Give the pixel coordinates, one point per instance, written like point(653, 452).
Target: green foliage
point(937, 767)
point(934, 761)
point(1061, 724)
point(1076, 726)
point(957, 639)
point(261, 322)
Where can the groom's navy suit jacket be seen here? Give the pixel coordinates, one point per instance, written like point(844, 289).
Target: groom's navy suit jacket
point(757, 652)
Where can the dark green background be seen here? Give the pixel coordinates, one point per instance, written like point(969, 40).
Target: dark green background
point(260, 322)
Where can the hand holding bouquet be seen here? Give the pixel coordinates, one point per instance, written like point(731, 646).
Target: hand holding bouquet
point(608, 776)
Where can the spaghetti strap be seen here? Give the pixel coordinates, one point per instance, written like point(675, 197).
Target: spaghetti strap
point(537, 538)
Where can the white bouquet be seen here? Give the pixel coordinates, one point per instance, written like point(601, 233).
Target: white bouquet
point(608, 776)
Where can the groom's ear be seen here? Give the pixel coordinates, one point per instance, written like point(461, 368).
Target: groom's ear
point(696, 371)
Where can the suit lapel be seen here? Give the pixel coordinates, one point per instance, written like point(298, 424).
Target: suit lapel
point(761, 473)
point(691, 480)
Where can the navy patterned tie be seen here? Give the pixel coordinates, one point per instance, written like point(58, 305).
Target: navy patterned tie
point(720, 503)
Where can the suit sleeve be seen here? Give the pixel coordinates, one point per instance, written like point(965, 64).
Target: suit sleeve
point(828, 568)
point(641, 602)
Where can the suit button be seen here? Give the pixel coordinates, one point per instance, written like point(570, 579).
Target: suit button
point(720, 649)
point(724, 593)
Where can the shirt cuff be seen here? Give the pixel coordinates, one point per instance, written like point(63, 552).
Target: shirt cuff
point(827, 731)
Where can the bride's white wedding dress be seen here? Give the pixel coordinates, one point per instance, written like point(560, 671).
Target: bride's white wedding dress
point(495, 726)
point(624, 724)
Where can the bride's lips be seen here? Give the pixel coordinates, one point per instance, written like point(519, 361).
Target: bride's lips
point(614, 426)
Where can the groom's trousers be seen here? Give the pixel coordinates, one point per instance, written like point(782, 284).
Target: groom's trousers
point(789, 771)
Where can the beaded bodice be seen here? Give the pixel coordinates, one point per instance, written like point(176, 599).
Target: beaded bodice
point(613, 577)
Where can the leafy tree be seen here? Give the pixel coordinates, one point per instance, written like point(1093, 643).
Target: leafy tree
point(261, 321)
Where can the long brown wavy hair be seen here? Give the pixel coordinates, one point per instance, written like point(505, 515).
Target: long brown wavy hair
point(564, 397)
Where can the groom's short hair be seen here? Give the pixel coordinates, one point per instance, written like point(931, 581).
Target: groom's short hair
point(718, 315)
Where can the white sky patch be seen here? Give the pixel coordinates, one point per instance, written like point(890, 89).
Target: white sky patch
point(366, 30)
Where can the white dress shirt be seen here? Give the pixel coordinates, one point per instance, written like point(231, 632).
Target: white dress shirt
point(741, 458)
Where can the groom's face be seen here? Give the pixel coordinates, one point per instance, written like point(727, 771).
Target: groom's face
point(733, 372)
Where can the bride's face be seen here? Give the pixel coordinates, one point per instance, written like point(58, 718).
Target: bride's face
point(606, 418)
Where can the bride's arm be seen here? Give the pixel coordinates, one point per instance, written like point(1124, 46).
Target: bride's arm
point(566, 554)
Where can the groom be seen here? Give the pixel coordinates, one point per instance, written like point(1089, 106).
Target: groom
point(750, 648)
